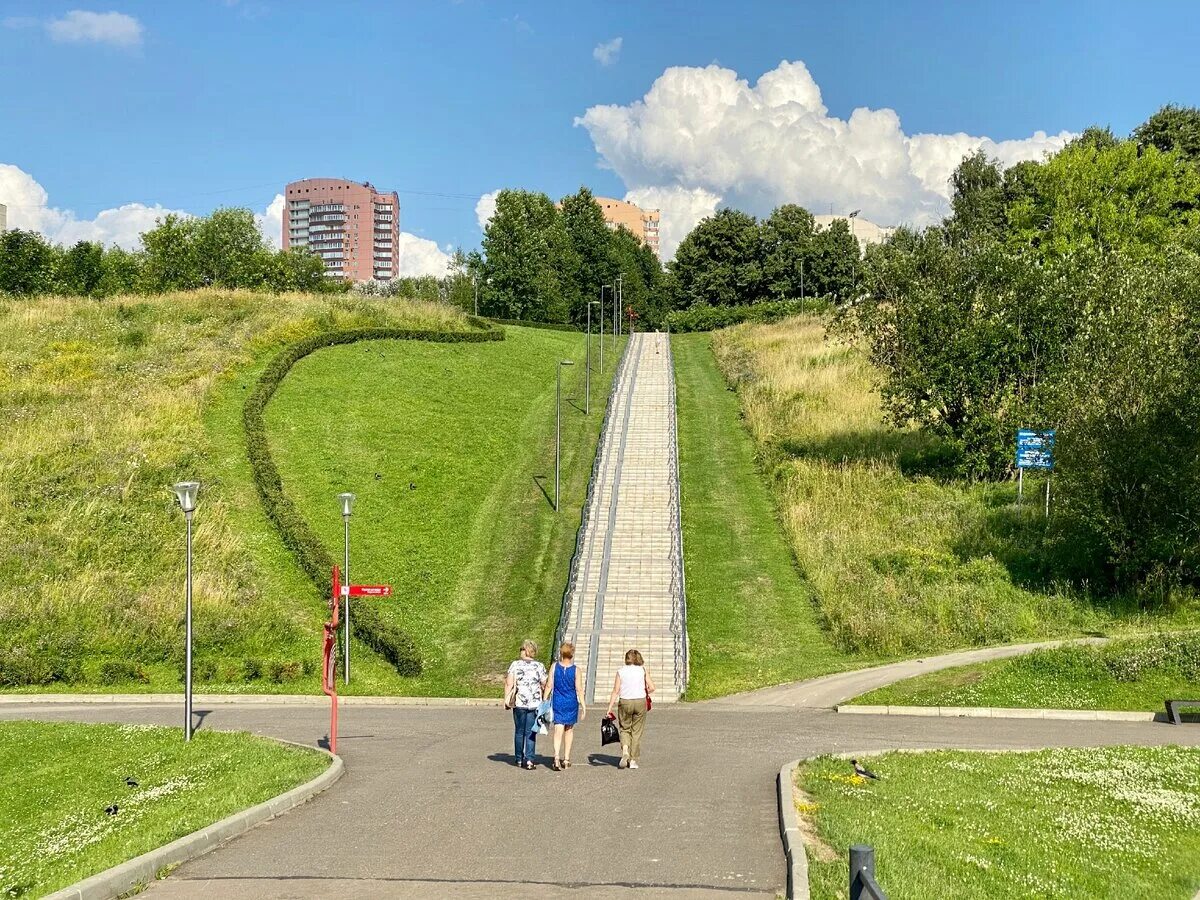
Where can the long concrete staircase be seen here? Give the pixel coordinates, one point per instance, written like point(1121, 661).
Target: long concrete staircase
point(626, 587)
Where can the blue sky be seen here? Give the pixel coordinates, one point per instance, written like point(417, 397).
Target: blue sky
point(194, 104)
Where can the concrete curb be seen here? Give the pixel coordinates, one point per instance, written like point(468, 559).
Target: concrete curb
point(143, 869)
point(789, 830)
point(244, 699)
point(1003, 712)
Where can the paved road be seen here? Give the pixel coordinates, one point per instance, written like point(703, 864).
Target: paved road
point(430, 805)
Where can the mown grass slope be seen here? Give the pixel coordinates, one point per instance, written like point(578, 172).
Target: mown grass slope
point(751, 616)
point(450, 451)
point(901, 560)
point(107, 403)
point(55, 829)
point(1130, 673)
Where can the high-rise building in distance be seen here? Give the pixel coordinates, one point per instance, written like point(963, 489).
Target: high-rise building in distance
point(642, 222)
point(3, 218)
point(353, 227)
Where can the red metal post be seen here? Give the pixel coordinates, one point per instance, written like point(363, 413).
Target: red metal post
point(329, 658)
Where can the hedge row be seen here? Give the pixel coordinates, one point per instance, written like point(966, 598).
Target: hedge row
point(710, 318)
point(549, 326)
point(369, 626)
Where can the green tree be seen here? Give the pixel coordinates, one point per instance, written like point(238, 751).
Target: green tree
point(528, 260)
point(295, 269)
point(170, 261)
point(228, 250)
point(1172, 128)
point(81, 269)
point(719, 262)
point(120, 272)
point(834, 260)
point(593, 243)
point(787, 247)
point(977, 198)
point(28, 263)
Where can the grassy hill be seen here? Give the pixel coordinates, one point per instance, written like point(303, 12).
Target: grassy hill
point(450, 450)
point(108, 403)
point(886, 557)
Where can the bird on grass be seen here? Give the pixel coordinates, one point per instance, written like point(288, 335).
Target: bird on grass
point(131, 782)
point(863, 772)
point(112, 810)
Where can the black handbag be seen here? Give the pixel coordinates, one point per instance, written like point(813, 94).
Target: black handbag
point(608, 732)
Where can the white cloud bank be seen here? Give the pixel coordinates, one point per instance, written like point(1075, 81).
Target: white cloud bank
point(485, 208)
point(81, 27)
point(607, 53)
point(703, 136)
point(29, 208)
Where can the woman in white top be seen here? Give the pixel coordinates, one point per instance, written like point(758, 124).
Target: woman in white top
point(630, 694)
point(523, 687)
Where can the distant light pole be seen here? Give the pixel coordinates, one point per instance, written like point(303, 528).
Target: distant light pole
point(851, 218)
point(475, 284)
point(558, 427)
point(802, 278)
point(602, 287)
point(185, 493)
point(587, 403)
point(617, 306)
point(347, 502)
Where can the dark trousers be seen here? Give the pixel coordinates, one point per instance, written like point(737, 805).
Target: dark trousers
point(524, 737)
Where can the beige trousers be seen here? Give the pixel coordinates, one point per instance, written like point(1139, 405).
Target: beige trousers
point(631, 720)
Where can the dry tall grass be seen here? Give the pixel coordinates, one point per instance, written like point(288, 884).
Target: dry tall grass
point(102, 407)
point(900, 564)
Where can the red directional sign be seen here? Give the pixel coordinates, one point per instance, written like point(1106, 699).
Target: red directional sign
point(370, 590)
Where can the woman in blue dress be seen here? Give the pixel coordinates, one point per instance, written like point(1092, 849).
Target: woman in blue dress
point(566, 700)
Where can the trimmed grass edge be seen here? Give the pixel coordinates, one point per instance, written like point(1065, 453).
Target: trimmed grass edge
point(1003, 712)
point(141, 870)
point(392, 643)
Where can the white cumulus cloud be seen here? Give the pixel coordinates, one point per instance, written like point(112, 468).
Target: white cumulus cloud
point(485, 208)
point(29, 208)
point(418, 256)
point(270, 222)
point(703, 133)
point(607, 52)
point(81, 27)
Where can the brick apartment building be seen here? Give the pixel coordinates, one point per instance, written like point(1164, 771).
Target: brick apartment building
point(3, 217)
point(642, 222)
point(353, 227)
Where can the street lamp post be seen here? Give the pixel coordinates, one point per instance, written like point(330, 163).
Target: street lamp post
point(475, 284)
point(558, 427)
point(587, 402)
point(602, 287)
point(347, 502)
point(185, 493)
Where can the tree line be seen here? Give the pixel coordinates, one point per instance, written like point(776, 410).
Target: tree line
point(224, 249)
point(1062, 294)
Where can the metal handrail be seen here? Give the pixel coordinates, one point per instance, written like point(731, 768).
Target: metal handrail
point(678, 575)
point(597, 464)
point(863, 885)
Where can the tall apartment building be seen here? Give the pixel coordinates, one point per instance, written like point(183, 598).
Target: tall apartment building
point(642, 222)
point(3, 218)
point(354, 228)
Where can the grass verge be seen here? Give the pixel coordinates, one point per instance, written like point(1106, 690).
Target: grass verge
point(1062, 823)
point(751, 618)
point(61, 778)
point(450, 450)
point(1124, 674)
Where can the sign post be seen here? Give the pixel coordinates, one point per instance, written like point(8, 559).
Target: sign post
point(1035, 450)
point(329, 654)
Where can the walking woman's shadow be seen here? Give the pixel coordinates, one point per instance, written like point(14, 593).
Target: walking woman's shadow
point(603, 759)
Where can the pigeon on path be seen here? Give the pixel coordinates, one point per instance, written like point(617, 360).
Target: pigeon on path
point(861, 772)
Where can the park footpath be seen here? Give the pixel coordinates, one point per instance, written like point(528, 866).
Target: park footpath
point(626, 584)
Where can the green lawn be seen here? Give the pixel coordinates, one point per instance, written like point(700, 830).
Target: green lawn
point(59, 779)
point(751, 619)
point(450, 450)
point(1118, 822)
point(1126, 674)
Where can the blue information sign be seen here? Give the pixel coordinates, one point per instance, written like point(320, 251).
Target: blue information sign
point(1035, 449)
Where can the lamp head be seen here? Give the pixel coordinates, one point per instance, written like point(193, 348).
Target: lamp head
point(566, 362)
point(185, 493)
point(347, 501)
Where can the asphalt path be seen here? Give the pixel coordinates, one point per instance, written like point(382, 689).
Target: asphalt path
point(431, 804)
